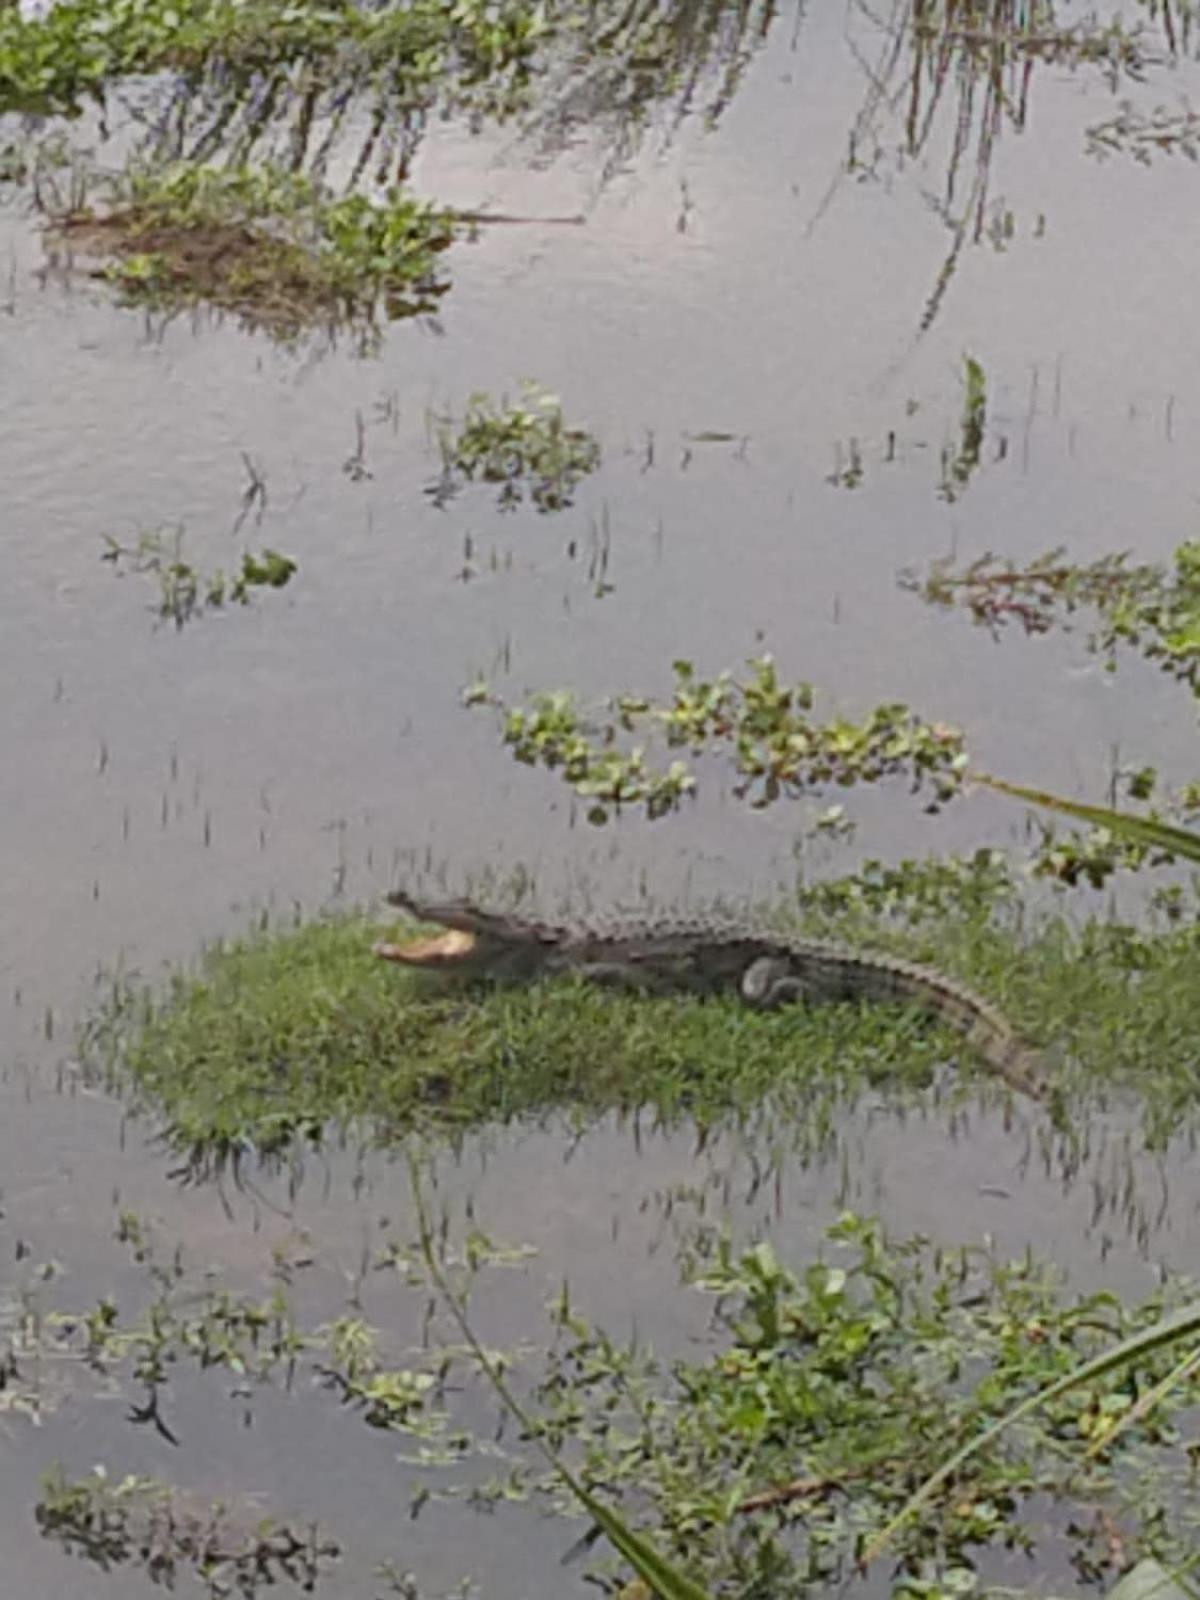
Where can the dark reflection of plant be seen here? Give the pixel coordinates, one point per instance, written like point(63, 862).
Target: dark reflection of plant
point(688, 57)
point(970, 63)
point(145, 1523)
point(961, 460)
point(209, 77)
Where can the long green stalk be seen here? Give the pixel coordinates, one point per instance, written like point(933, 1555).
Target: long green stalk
point(1138, 830)
point(664, 1581)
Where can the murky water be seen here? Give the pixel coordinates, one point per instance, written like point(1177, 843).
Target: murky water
point(157, 786)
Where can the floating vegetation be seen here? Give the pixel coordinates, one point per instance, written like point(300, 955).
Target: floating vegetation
point(1144, 135)
point(778, 749)
point(1148, 607)
point(769, 1462)
point(184, 592)
point(275, 248)
point(1152, 608)
point(141, 1522)
point(526, 449)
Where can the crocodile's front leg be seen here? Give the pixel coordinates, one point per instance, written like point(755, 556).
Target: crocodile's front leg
point(770, 982)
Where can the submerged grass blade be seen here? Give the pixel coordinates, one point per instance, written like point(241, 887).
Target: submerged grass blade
point(1184, 1324)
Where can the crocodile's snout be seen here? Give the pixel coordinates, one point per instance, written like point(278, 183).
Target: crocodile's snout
point(443, 949)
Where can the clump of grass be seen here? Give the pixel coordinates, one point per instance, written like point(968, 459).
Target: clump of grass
point(524, 448)
point(275, 247)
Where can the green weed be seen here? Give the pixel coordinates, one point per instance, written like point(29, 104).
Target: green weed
point(183, 591)
point(278, 249)
point(771, 1461)
point(523, 448)
point(779, 749)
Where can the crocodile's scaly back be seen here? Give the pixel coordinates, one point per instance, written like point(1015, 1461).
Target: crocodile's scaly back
point(705, 953)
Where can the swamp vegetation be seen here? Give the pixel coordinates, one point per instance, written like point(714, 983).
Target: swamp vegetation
point(840, 1403)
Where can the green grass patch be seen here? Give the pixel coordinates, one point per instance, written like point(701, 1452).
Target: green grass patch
point(292, 1034)
point(288, 1034)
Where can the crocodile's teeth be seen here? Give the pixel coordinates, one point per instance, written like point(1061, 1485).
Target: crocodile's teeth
point(442, 948)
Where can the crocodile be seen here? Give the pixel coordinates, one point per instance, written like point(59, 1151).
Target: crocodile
point(707, 954)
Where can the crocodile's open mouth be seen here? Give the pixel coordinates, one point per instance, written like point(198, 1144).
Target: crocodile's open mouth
point(443, 949)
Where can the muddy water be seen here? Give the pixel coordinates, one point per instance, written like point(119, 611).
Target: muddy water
point(158, 788)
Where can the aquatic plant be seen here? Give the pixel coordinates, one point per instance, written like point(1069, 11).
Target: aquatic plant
point(277, 249)
point(960, 462)
point(525, 448)
point(775, 1459)
point(779, 749)
point(1144, 135)
point(1150, 607)
point(183, 591)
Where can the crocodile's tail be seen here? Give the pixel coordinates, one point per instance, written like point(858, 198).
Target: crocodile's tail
point(984, 1028)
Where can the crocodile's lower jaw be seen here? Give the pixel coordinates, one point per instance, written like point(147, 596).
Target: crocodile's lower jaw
point(443, 949)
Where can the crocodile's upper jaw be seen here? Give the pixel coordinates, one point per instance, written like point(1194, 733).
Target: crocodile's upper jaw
point(449, 949)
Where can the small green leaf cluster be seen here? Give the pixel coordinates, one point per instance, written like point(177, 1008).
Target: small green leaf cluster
point(183, 591)
point(778, 748)
point(525, 447)
point(386, 1397)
